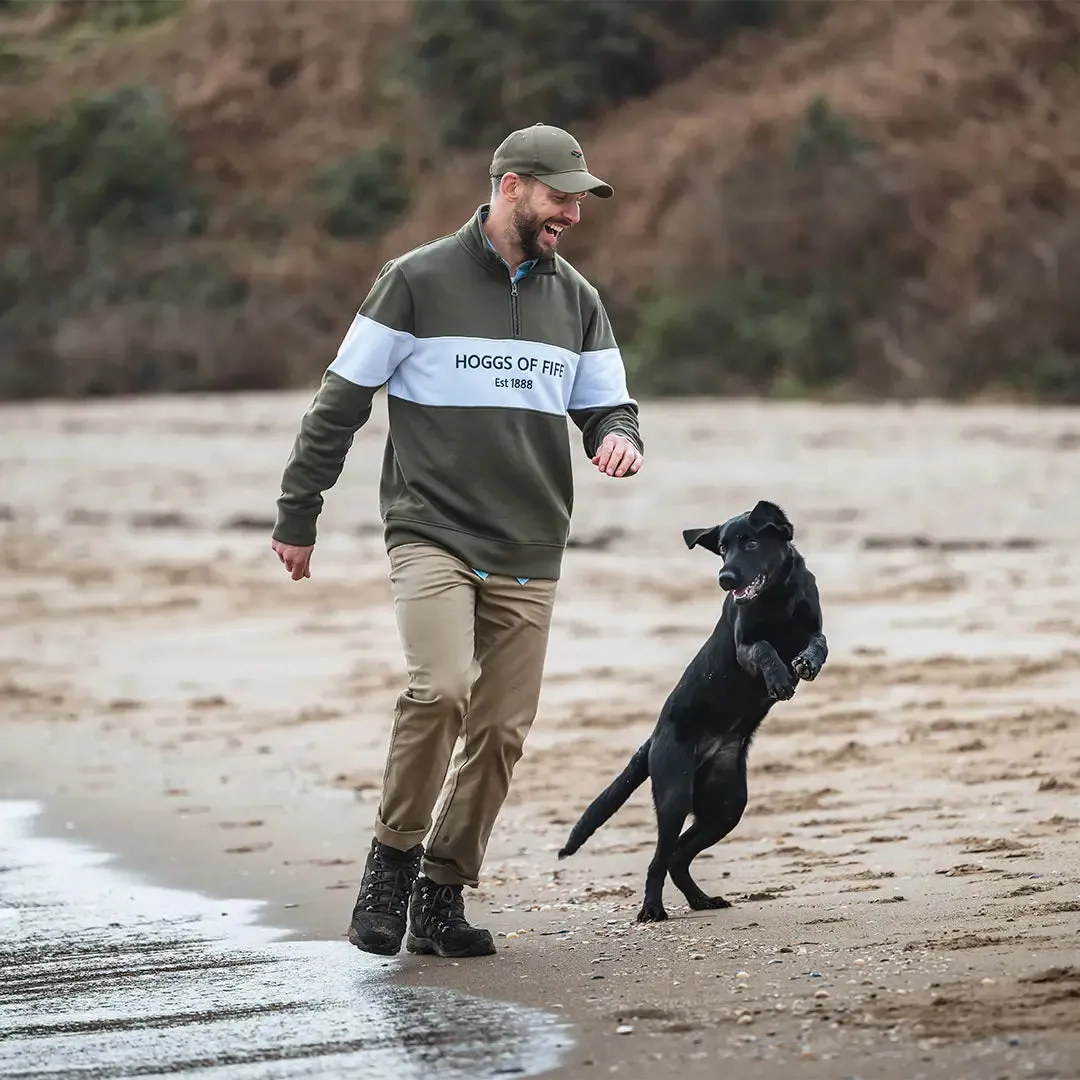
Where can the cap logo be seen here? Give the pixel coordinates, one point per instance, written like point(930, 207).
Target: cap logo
point(576, 153)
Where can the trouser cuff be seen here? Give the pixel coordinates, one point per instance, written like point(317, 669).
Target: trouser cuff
point(402, 841)
point(442, 874)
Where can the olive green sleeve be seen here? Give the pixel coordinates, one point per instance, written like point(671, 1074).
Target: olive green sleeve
point(337, 412)
point(600, 404)
point(379, 338)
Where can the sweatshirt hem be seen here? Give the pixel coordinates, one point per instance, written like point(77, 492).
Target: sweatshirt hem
point(508, 557)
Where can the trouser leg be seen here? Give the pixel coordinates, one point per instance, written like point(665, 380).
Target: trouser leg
point(511, 636)
point(435, 600)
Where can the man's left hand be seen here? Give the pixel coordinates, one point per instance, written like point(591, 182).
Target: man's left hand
point(617, 456)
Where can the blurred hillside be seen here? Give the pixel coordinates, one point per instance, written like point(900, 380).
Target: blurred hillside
point(855, 197)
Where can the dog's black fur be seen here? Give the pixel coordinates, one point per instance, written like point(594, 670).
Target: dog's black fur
point(768, 637)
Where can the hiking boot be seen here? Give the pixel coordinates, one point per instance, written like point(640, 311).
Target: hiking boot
point(437, 923)
point(379, 917)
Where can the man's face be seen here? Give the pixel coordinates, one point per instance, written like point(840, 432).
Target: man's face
point(539, 216)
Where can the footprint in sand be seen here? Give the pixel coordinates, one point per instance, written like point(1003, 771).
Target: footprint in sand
point(1054, 783)
point(967, 869)
point(249, 849)
point(976, 845)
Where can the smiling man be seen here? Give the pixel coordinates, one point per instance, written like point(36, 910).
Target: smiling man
point(486, 340)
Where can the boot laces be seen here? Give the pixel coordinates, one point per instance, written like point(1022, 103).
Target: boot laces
point(387, 885)
point(445, 904)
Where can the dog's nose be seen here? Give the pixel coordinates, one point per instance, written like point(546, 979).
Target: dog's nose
point(728, 579)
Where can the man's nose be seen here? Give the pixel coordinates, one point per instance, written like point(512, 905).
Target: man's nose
point(573, 213)
point(728, 579)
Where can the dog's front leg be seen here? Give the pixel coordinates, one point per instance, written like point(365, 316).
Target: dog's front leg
point(808, 664)
point(761, 660)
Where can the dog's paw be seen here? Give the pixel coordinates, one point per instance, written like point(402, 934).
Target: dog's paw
point(778, 684)
point(709, 903)
point(806, 667)
point(651, 913)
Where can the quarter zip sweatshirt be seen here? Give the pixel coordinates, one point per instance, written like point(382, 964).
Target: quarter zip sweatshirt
point(481, 373)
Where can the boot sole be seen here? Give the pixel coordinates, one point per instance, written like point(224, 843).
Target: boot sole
point(426, 947)
point(378, 948)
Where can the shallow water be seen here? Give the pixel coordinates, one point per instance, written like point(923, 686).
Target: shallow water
point(103, 974)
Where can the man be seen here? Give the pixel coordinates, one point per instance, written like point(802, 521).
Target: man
point(486, 339)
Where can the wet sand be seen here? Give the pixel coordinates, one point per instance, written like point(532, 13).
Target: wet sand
point(906, 879)
point(103, 974)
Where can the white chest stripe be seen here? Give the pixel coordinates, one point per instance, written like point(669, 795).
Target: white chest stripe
point(486, 372)
point(492, 372)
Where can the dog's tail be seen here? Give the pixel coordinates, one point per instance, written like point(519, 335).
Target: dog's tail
point(609, 800)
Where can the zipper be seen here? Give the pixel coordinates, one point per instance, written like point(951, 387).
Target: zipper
point(515, 314)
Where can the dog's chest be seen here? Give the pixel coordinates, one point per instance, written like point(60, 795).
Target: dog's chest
point(793, 639)
point(785, 634)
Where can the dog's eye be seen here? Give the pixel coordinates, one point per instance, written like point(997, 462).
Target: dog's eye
point(750, 545)
point(723, 550)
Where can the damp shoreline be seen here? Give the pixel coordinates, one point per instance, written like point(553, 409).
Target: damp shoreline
point(170, 981)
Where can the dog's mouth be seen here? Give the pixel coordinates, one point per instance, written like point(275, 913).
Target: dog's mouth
point(749, 590)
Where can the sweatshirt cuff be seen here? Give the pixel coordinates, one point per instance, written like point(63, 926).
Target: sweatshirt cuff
point(625, 430)
point(295, 529)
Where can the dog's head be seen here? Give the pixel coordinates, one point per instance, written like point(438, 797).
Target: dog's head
point(754, 546)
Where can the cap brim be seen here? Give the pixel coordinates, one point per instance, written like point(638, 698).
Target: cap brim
point(570, 183)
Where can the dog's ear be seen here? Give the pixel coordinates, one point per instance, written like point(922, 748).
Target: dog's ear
point(709, 539)
point(768, 516)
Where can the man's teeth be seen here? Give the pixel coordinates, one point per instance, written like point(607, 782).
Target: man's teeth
point(554, 229)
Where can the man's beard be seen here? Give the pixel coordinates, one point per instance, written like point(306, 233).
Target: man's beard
point(527, 229)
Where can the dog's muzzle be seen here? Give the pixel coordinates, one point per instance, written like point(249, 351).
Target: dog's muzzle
point(729, 582)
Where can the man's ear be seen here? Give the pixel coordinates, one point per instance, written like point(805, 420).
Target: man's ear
point(768, 517)
point(709, 539)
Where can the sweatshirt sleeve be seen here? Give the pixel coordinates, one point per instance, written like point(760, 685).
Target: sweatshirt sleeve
point(600, 404)
point(379, 339)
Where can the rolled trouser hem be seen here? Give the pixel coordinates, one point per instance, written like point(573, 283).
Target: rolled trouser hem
point(402, 841)
point(442, 874)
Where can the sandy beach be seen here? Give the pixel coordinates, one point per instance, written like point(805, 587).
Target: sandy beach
point(906, 879)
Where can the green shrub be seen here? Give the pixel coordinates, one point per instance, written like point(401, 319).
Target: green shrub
point(11, 62)
point(482, 61)
point(109, 14)
point(771, 300)
point(740, 336)
point(1053, 377)
point(362, 195)
point(81, 318)
point(825, 134)
point(115, 161)
point(124, 14)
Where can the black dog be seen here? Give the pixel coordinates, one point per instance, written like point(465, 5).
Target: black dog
point(767, 638)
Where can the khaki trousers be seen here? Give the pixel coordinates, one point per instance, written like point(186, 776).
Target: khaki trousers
point(475, 651)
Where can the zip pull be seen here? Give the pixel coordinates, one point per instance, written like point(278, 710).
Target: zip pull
point(515, 315)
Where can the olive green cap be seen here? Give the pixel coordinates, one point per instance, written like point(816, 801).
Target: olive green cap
point(550, 155)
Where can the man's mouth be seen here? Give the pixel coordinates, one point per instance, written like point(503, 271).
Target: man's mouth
point(750, 590)
point(553, 230)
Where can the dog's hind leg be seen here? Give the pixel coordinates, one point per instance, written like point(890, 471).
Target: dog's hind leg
point(719, 802)
point(671, 766)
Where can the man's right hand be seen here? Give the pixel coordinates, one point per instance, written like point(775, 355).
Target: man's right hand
point(297, 560)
